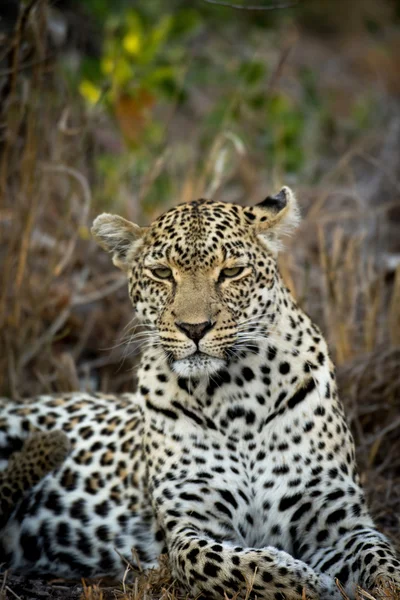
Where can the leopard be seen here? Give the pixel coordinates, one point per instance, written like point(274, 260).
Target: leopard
point(38, 455)
point(233, 456)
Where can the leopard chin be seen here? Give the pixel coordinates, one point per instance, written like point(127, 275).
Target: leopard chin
point(198, 365)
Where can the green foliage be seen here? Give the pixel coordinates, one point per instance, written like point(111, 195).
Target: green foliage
point(141, 63)
point(272, 121)
point(157, 57)
point(284, 129)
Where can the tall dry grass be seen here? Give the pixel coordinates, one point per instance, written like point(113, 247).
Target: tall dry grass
point(63, 308)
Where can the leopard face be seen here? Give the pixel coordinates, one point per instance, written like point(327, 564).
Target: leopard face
point(201, 276)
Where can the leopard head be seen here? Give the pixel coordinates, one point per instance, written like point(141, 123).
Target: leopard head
point(203, 276)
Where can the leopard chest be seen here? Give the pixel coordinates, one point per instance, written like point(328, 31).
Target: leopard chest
point(244, 489)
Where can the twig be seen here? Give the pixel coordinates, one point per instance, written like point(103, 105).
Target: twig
point(153, 174)
point(218, 159)
point(16, 42)
point(391, 177)
point(253, 7)
point(101, 293)
point(341, 589)
point(393, 425)
point(13, 593)
point(74, 174)
point(48, 335)
point(27, 65)
point(80, 179)
point(3, 585)
point(11, 84)
point(63, 124)
point(277, 72)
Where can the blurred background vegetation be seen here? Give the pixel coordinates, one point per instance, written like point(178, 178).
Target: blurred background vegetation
point(132, 107)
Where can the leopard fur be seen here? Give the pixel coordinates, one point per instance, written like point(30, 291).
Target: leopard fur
point(234, 455)
point(40, 454)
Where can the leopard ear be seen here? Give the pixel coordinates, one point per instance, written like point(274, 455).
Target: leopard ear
point(274, 217)
point(119, 237)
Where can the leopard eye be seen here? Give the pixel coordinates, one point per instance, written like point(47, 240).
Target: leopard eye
point(232, 272)
point(162, 273)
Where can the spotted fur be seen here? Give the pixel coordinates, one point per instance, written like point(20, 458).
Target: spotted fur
point(234, 456)
point(40, 454)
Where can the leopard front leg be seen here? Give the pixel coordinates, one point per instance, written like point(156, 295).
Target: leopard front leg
point(361, 557)
point(220, 568)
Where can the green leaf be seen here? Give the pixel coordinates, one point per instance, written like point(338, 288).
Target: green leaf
point(252, 72)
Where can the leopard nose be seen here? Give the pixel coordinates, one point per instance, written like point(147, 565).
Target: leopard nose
point(195, 331)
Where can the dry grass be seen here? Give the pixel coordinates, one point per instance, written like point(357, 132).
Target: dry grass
point(63, 308)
